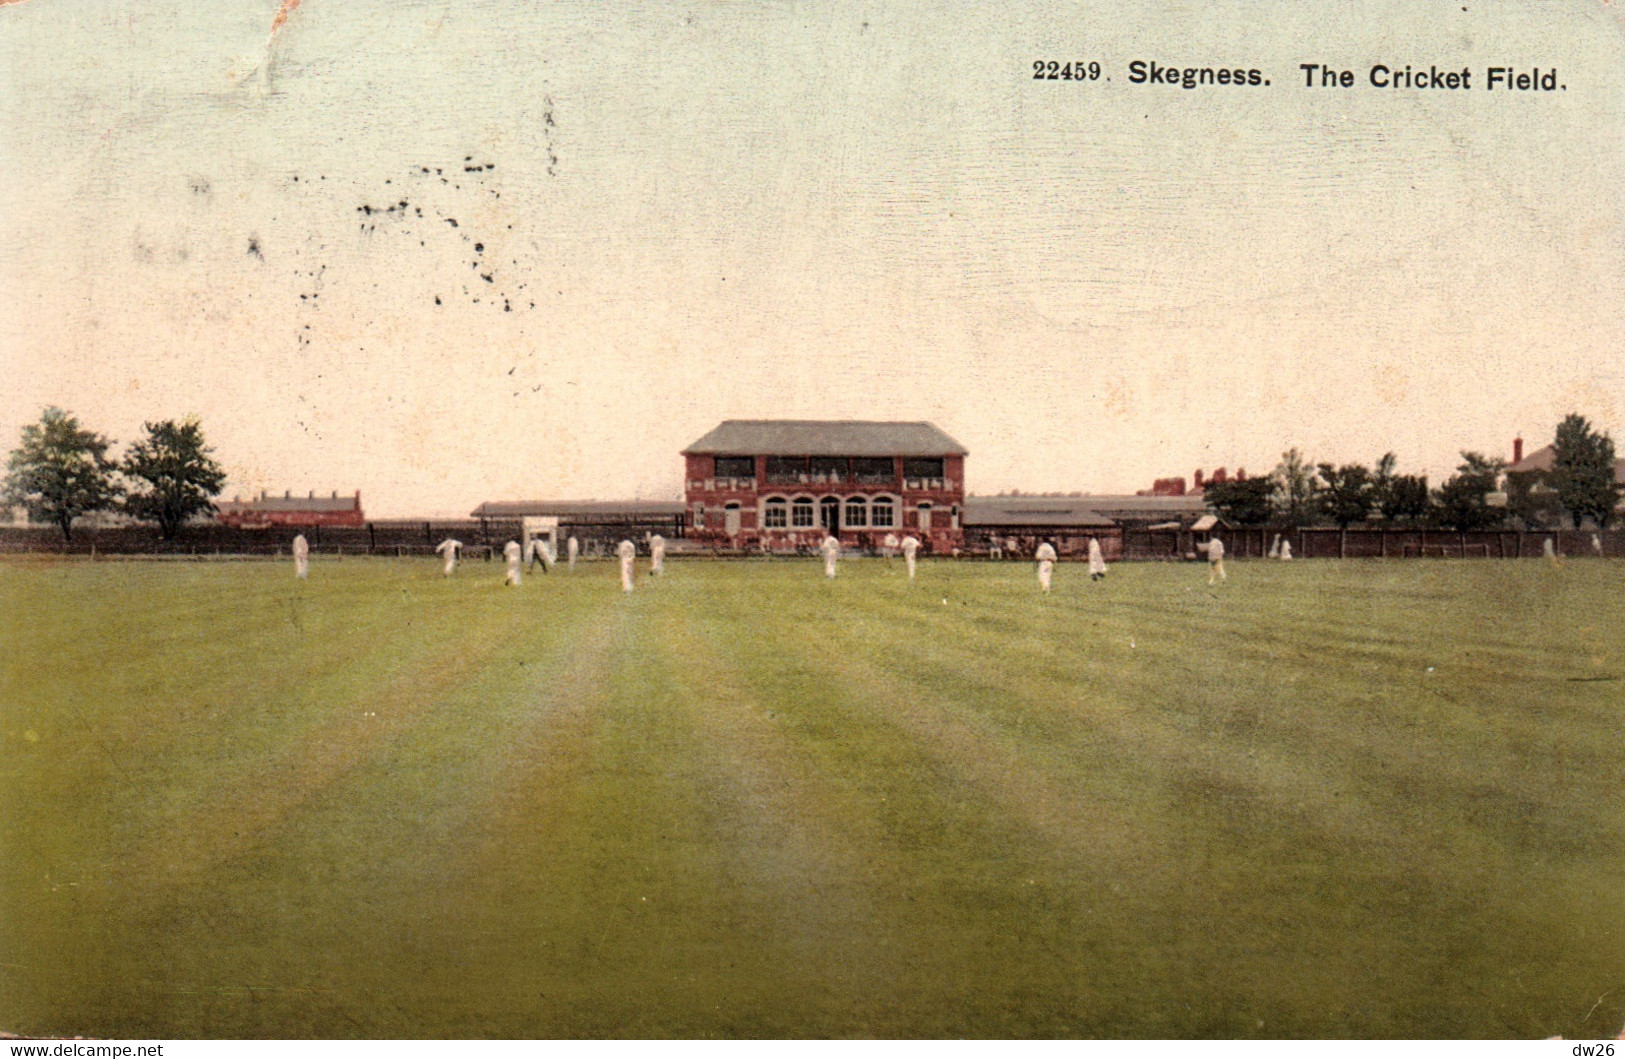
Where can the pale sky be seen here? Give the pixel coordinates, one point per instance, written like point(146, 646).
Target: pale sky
point(696, 211)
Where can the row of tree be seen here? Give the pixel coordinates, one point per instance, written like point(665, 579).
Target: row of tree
point(1482, 494)
point(62, 471)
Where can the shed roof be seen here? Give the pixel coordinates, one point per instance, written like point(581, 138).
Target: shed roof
point(1032, 511)
point(565, 509)
point(290, 503)
point(817, 437)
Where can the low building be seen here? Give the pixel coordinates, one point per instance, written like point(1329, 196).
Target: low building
point(288, 510)
point(781, 485)
point(597, 524)
point(1014, 526)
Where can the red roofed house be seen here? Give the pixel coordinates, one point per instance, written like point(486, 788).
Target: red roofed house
point(290, 510)
point(782, 484)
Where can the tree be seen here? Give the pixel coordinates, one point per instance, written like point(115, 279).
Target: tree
point(1245, 502)
point(1405, 498)
point(1460, 502)
point(1294, 487)
point(1398, 497)
point(61, 471)
point(1346, 494)
point(179, 478)
point(1583, 471)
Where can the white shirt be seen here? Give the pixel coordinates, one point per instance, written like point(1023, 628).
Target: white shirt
point(301, 547)
point(511, 552)
point(1215, 550)
point(831, 547)
point(627, 551)
point(1045, 553)
point(910, 545)
point(448, 547)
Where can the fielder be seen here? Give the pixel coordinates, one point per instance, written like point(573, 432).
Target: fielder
point(540, 554)
point(1275, 547)
point(1286, 549)
point(572, 548)
point(514, 554)
point(1215, 560)
point(1097, 561)
point(1046, 564)
point(301, 556)
point(832, 551)
point(911, 547)
point(628, 553)
point(449, 550)
point(657, 555)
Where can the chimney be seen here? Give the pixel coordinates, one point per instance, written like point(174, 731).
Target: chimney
point(1198, 477)
point(1241, 474)
point(1517, 450)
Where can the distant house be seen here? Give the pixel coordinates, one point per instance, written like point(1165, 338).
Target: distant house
point(289, 510)
point(1529, 478)
point(782, 484)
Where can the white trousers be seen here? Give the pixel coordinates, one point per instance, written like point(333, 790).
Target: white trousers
point(1046, 568)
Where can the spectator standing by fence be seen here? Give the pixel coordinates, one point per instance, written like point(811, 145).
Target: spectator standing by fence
point(572, 548)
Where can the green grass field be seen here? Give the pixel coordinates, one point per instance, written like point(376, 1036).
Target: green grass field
point(1324, 800)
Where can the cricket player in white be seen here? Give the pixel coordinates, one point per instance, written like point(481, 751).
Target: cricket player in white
point(1097, 561)
point(572, 548)
point(515, 555)
point(1275, 547)
point(1286, 549)
point(911, 547)
point(1215, 560)
point(301, 556)
point(449, 550)
point(657, 554)
point(1046, 564)
point(540, 554)
point(628, 553)
point(832, 550)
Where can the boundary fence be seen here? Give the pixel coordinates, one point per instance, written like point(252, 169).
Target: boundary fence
point(482, 538)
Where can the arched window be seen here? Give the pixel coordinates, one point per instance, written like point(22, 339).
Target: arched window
point(801, 513)
point(881, 513)
point(776, 513)
point(857, 511)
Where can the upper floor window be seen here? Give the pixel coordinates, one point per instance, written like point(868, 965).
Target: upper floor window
point(736, 466)
point(786, 469)
point(829, 468)
point(871, 470)
point(920, 467)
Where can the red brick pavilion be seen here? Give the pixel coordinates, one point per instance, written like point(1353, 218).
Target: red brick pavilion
point(782, 484)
